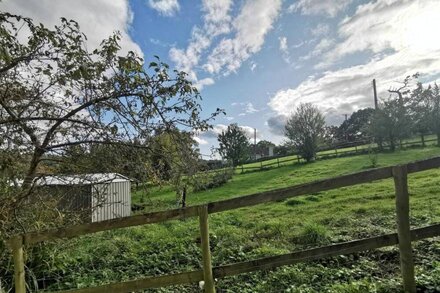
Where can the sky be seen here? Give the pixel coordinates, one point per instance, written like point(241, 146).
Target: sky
point(259, 59)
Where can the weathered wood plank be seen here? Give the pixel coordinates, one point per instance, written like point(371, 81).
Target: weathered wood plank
point(317, 186)
point(206, 250)
point(264, 263)
point(150, 282)
point(403, 228)
point(322, 252)
point(131, 221)
point(423, 165)
point(16, 244)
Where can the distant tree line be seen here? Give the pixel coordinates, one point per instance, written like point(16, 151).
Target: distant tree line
point(408, 111)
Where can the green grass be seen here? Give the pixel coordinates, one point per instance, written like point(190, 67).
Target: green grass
point(430, 140)
point(268, 229)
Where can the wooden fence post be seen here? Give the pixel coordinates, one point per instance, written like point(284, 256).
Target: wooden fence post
point(16, 245)
point(206, 251)
point(400, 175)
point(297, 157)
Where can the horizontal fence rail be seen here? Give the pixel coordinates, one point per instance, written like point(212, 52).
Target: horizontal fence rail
point(17, 242)
point(229, 204)
point(264, 263)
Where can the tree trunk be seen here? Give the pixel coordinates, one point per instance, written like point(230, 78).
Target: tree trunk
point(380, 144)
point(423, 140)
point(32, 170)
point(184, 197)
point(438, 138)
point(392, 145)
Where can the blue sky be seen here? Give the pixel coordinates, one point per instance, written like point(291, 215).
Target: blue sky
point(258, 59)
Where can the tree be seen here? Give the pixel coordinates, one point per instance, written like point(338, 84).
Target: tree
point(305, 129)
point(130, 161)
point(356, 127)
point(392, 122)
point(262, 148)
point(331, 135)
point(55, 94)
point(420, 108)
point(284, 149)
point(389, 124)
point(177, 163)
point(434, 117)
point(234, 145)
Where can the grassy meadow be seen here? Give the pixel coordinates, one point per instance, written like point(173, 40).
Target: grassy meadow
point(268, 229)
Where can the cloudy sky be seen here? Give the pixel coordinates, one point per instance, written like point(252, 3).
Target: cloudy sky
point(258, 59)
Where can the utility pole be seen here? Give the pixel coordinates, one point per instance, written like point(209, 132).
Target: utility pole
point(345, 129)
point(255, 143)
point(376, 107)
point(375, 95)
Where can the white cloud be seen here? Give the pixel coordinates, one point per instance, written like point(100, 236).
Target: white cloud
point(250, 132)
point(320, 29)
point(217, 18)
point(219, 128)
point(215, 131)
point(284, 49)
point(323, 45)
point(247, 107)
point(319, 7)
point(250, 108)
point(97, 19)
point(351, 87)
point(283, 44)
point(158, 42)
point(165, 7)
point(200, 141)
point(216, 22)
point(402, 36)
point(251, 26)
point(253, 66)
point(389, 25)
point(200, 84)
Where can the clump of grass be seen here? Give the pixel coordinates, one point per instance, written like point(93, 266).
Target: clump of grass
point(361, 211)
point(312, 198)
point(313, 233)
point(372, 157)
point(294, 202)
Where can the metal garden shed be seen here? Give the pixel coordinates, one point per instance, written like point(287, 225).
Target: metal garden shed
point(98, 197)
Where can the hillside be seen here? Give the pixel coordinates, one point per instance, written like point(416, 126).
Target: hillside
point(307, 221)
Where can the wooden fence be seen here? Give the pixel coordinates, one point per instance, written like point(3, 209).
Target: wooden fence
point(403, 237)
point(356, 149)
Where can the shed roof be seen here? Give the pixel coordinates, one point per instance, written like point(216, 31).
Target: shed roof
point(81, 179)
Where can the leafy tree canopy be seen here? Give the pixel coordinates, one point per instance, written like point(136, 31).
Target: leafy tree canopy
point(56, 94)
point(305, 128)
point(234, 145)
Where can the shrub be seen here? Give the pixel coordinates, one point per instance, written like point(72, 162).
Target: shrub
point(313, 233)
point(372, 156)
point(213, 180)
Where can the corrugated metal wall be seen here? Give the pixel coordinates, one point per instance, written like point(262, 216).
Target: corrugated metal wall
point(111, 200)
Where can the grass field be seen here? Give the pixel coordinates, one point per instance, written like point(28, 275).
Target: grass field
point(431, 140)
point(268, 229)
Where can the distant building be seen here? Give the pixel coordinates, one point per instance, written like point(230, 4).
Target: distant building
point(263, 151)
point(96, 197)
